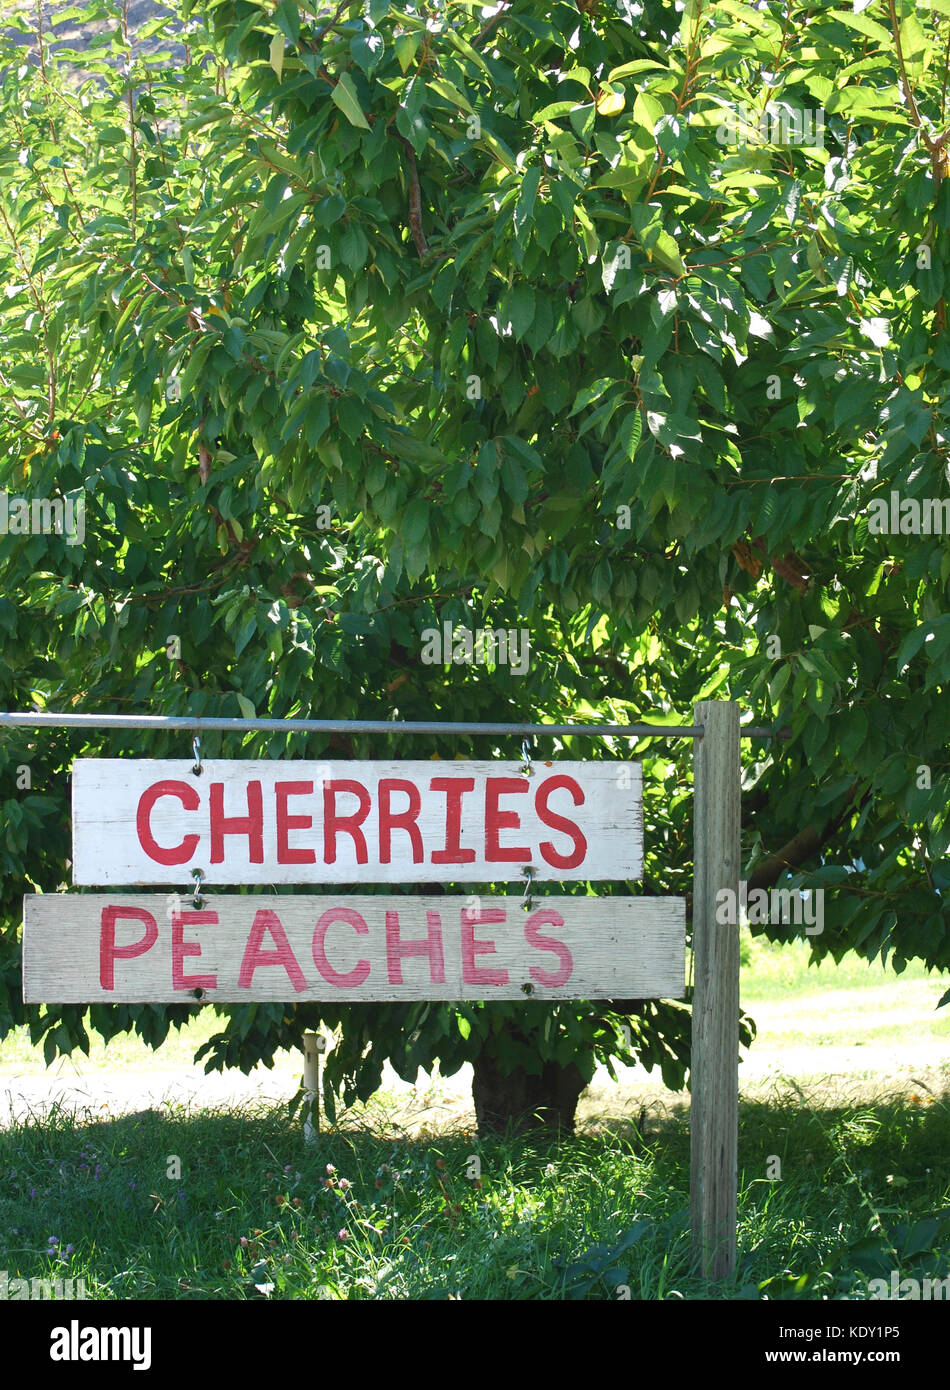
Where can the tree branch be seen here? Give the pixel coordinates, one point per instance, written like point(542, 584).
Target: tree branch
point(415, 203)
point(803, 846)
point(489, 26)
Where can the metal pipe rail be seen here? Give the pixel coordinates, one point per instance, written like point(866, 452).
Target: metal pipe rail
point(197, 724)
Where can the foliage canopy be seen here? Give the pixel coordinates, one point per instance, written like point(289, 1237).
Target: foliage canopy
point(553, 341)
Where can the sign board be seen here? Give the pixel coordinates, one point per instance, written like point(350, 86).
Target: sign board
point(93, 948)
point(294, 822)
point(149, 822)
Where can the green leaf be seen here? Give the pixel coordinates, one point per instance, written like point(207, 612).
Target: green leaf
point(367, 49)
point(630, 69)
point(406, 46)
point(553, 110)
point(276, 56)
point(587, 394)
point(647, 110)
point(452, 94)
point(500, 151)
point(245, 633)
point(513, 479)
point(416, 521)
point(524, 209)
point(344, 96)
point(629, 431)
point(655, 240)
point(914, 46)
point(520, 309)
point(864, 25)
point(287, 19)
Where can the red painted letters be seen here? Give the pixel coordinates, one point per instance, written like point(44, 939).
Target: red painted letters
point(556, 822)
point(189, 799)
point(109, 952)
point(360, 971)
point(265, 920)
point(182, 948)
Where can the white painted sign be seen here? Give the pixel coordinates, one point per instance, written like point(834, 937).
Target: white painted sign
point(87, 948)
point(154, 822)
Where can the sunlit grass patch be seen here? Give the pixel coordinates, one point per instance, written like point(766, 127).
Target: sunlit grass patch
point(234, 1205)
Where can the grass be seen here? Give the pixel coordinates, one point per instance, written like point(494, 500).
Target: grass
point(776, 970)
point(255, 1213)
point(857, 1003)
point(126, 1052)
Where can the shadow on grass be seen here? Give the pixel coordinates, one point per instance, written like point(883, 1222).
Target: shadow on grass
point(232, 1204)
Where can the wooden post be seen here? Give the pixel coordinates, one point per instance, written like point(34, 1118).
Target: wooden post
point(313, 1045)
point(714, 1067)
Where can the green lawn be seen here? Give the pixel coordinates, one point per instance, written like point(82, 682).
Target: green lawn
point(255, 1213)
point(856, 1003)
point(125, 1053)
point(776, 970)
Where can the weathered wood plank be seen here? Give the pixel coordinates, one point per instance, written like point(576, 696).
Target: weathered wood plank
point(714, 1070)
point(155, 821)
point(81, 948)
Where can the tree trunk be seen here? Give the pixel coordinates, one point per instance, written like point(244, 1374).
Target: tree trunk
point(544, 1104)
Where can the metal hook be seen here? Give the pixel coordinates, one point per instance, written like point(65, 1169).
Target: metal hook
point(526, 766)
point(526, 901)
point(197, 899)
point(196, 749)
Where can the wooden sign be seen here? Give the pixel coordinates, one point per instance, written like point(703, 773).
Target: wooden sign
point(92, 948)
point(153, 822)
point(407, 822)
